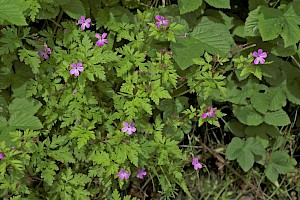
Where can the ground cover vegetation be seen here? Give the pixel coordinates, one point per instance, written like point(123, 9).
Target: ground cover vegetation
point(149, 99)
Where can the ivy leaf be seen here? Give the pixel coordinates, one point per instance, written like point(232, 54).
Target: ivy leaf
point(244, 152)
point(188, 6)
point(219, 3)
point(279, 163)
point(269, 23)
point(277, 118)
point(12, 11)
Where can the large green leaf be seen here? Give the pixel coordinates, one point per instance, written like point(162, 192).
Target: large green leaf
point(279, 163)
point(75, 9)
point(269, 23)
point(219, 3)
point(244, 152)
point(207, 36)
point(188, 6)
point(24, 121)
point(28, 106)
point(251, 24)
point(291, 30)
point(247, 115)
point(277, 118)
point(12, 11)
point(213, 37)
point(260, 102)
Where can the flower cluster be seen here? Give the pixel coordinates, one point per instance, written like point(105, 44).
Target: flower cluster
point(85, 23)
point(45, 52)
point(210, 113)
point(123, 174)
point(260, 56)
point(196, 164)
point(161, 21)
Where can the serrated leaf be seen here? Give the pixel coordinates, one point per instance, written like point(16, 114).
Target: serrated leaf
point(278, 98)
point(277, 118)
point(12, 11)
point(251, 24)
point(188, 6)
point(260, 102)
point(158, 92)
point(244, 152)
point(30, 58)
point(279, 163)
point(219, 3)
point(24, 105)
point(62, 154)
point(247, 115)
point(24, 121)
point(75, 9)
point(269, 23)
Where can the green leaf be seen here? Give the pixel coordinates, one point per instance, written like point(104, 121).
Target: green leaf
point(244, 152)
point(219, 3)
point(12, 11)
point(24, 105)
point(171, 106)
point(269, 23)
point(278, 98)
point(75, 9)
point(279, 163)
point(291, 30)
point(30, 58)
point(247, 115)
point(63, 154)
point(24, 121)
point(277, 118)
point(251, 24)
point(260, 102)
point(212, 37)
point(188, 6)
point(184, 51)
point(158, 92)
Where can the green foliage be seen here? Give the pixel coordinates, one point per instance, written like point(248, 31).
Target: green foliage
point(244, 152)
point(184, 84)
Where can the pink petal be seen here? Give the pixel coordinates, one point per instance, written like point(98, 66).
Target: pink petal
point(104, 35)
point(159, 17)
point(76, 72)
point(87, 25)
point(132, 124)
point(204, 115)
point(125, 124)
point(81, 20)
point(97, 35)
point(262, 61)
point(256, 61)
point(46, 56)
point(197, 166)
point(88, 20)
point(73, 65)
point(105, 41)
point(81, 69)
point(264, 55)
point(100, 43)
point(72, 71)
point(83, 26)
point(133, 129)
point(79, 64)
point(158, 24)
point(165, 22)
point(254, 54)
point(260, 51)
point(124, 130)
point(195, 161)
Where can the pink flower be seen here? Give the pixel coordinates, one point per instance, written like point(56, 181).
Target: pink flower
point(259, 56)
point(123, 174)
point(2, 155)
point(85, 23)
point(209, 114)
point(74, 91)
point(141, 173)
point(101, 40)
point(76, 68)
point(44, 53)
point(160, 21)
point(129, 128)
point(196, 164)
